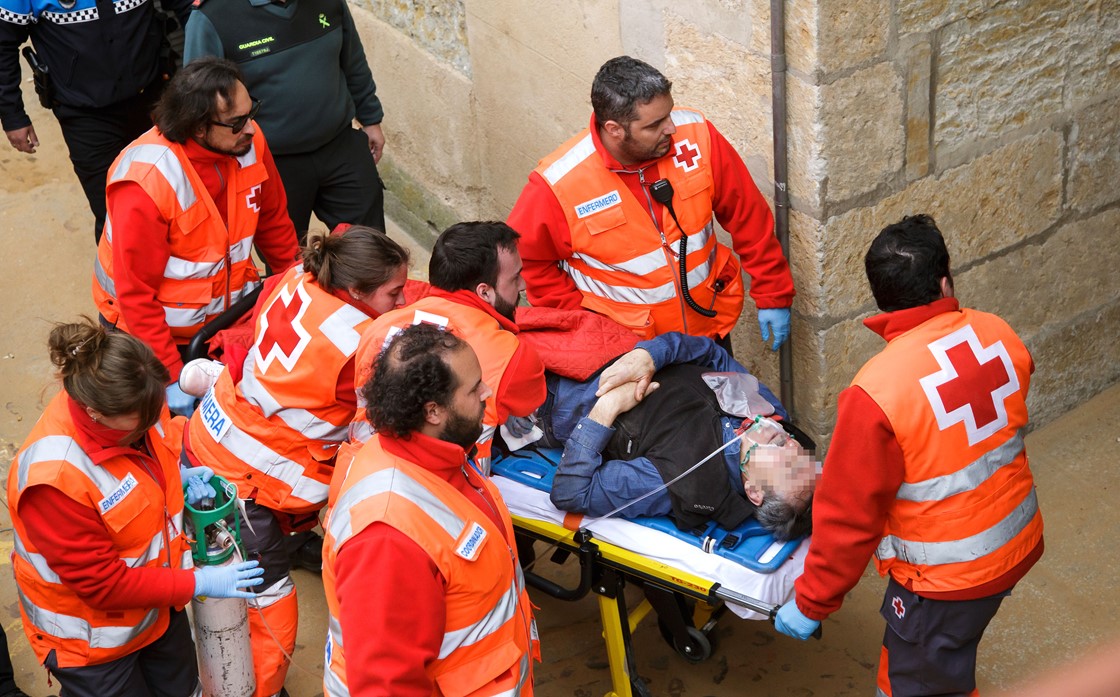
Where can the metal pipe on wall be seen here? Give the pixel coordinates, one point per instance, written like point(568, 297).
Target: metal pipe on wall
point(781, 174)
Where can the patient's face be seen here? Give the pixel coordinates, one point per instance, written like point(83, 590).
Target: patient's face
point(787, 471)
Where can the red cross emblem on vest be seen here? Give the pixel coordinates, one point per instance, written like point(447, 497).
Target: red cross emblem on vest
point(253, 199)
point(282, 336)
point(972, 384)
point(687, 155)
point(899, 608)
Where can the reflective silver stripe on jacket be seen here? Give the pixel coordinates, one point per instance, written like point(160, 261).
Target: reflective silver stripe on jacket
point(682, 117)
point(189, 317)
point(651, 261)
point(517, 689)
point(399, 484)
point(102, 277)
point(569, 160)
point(963, 550)
point(965, 479)
point(333, 685)
point(65, 448)
point(301, 421)
point(155, 547)
point(502, 612)
point(267, 461)
point(179, 269)
point(37, 561)
point(162, 157)
point(76, 628)
point(638, 296)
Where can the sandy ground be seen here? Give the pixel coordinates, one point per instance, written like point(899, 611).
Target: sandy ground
point(1065, 605)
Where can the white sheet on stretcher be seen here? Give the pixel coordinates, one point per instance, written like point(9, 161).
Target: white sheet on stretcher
point(773, 588)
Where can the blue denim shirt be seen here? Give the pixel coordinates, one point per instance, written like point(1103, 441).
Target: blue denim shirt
point(586, 483)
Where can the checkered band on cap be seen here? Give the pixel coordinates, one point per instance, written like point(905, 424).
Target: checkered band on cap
point(7, 15)
point(122, 6)
point(87, 15)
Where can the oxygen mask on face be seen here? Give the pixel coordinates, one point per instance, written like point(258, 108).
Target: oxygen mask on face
point(761, 432)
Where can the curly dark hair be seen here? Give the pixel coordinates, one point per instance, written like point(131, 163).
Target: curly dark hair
point(412, 371)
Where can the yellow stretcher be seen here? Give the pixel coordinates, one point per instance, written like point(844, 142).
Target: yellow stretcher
point(687, 605)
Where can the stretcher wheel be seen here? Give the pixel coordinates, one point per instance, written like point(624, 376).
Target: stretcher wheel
point(696, 648)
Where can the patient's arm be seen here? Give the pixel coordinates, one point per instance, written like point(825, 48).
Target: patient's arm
point(635, 367)
point(586, 483)
point(668, 349)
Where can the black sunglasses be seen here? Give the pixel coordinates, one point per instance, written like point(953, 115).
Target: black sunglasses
point(239, 124)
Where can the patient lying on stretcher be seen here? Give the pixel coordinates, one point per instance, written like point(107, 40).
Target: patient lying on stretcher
point(654, 418)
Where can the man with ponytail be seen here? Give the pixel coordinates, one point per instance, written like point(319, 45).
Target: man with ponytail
point(275, 432)
point(96, 498)
point(187, 202)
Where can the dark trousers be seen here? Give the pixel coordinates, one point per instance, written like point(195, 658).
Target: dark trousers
point(7, 673)
point(338, 182)
point(167, 667)
point(96, 135)
point(929, 646)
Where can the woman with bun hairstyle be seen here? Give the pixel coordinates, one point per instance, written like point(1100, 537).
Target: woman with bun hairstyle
point(275, 432)
point(96, 498)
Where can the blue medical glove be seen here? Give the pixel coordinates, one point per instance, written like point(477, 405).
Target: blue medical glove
point(227, 581)
point(180, 402)
point(520, 426)
point(197, 483)
point(791, 622)
point(776, 319)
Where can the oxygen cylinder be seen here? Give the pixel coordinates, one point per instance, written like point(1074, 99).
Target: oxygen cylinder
point(221, 625)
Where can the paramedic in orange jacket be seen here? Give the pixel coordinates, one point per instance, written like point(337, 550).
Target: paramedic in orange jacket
point(424, 590)
point(274, 434)
point(594, 233)
point(928, 471)
point(187, 202)
point(96, 498)
point(475, 271)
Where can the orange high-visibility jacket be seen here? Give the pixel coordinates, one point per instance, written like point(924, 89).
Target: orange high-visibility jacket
point(954, 390)
point(493, 345)
point(144, 521)
point(488, 641)
point(210, 266)
point(275, 433)
point(622, 264)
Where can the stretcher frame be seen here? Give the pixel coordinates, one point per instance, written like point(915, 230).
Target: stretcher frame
point(605, 569)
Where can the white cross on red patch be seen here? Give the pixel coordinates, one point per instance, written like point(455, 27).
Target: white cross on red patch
point(972, 385)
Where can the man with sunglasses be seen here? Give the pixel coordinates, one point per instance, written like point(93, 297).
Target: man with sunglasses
point(187, 201)
point(295, 53)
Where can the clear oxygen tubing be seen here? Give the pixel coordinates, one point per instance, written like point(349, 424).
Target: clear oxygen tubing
point(588, 520)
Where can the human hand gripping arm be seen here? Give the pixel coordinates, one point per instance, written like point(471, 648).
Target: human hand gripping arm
point(635, 367)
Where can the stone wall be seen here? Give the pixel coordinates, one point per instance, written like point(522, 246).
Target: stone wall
point(998, 117)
